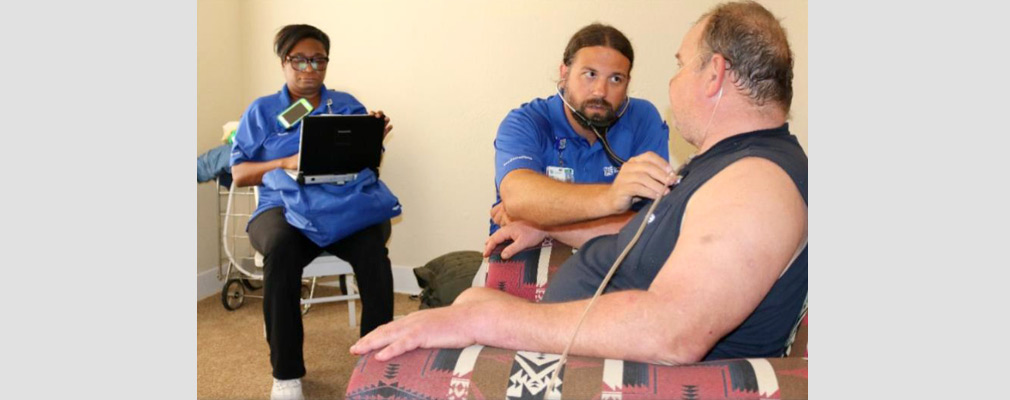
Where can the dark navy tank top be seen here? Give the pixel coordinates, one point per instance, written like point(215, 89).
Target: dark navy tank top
point(766, 331)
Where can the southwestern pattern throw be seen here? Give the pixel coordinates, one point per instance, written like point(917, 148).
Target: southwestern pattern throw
point(479, 372)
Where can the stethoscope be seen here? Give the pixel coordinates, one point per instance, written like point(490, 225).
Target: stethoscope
point(595, 126)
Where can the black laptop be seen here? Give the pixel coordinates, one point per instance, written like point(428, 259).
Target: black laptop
point(334, 148)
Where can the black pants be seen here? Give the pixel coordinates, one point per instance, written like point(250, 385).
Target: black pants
point(286, 252)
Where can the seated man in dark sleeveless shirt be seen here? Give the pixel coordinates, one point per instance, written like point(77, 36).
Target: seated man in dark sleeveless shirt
point(720, 270)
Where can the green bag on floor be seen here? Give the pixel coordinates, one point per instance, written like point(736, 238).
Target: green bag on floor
point(445, 277)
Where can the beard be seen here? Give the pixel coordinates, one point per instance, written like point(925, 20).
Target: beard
point(597, 120)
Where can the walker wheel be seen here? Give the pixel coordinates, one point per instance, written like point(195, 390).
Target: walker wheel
point(232, 295)
point(252, 284)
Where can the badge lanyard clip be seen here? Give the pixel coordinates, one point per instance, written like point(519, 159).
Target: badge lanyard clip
point(560, 144)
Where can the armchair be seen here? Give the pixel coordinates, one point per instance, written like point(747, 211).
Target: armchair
point(479, 372)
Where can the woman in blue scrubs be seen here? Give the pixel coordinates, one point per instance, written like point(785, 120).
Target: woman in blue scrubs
point(262, 144)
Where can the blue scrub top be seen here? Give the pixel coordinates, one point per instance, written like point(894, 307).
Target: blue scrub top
point(537, 135)
point(261, 137)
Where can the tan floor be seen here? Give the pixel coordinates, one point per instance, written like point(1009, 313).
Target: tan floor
point(233, 357)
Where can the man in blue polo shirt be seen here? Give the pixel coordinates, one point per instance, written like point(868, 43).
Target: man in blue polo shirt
point(575, 160)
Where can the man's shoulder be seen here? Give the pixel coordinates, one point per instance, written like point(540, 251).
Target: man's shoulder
point(642, 107)
point(532, 116)
point(538, 108)
point(644, 124)
point(267, 104)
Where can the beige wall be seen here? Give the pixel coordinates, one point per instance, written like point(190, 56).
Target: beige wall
point(219, 79)
point(447, 72)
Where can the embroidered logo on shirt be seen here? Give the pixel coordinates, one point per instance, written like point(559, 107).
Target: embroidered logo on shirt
point(609, 170)
point(517, 158)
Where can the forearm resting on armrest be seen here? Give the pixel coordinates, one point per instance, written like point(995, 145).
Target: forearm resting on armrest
point(666, 332)
point(548, 328)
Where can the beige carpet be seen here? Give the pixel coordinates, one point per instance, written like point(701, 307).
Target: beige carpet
point(233, 360)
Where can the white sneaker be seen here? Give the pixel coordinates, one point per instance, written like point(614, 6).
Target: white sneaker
point(289, 389)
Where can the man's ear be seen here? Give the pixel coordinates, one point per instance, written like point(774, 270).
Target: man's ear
point(562, 73)
point(716, 72)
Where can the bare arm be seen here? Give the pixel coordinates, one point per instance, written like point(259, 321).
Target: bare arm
point(249, 173)
point(579, 233)
point(531, 196)
point(525, 235)
point(739, 232)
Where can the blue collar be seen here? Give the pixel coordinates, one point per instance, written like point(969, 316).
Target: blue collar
point(558, 117)
point(284, 96)
point(555, 108)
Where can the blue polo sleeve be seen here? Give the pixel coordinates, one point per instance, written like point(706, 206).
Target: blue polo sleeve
point(249, 138)
point(517, 146)
point(655, 131)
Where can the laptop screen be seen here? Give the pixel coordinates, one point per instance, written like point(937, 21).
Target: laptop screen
point(340, 144)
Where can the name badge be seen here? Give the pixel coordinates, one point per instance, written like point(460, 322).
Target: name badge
point(563, 174)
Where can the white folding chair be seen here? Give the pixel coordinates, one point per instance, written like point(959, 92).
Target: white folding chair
point(327, 265)
point(324, 265)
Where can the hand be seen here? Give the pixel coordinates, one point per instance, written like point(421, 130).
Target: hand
point(647, 175)
point(290, 162)
point(445, 327)
point(499, 216)
point(379, 114)
point(522, 234)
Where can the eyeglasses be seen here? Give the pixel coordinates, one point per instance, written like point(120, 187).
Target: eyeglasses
point(301, 63)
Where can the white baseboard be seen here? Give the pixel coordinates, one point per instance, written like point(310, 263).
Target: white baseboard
point(404, 281)
point(207, 283)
